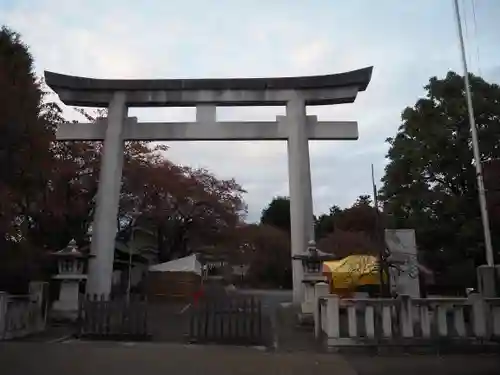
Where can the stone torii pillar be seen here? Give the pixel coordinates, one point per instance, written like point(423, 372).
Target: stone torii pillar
point(104, 228)
point(205, 94)
point(299, 179)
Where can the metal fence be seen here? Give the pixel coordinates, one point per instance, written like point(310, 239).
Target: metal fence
point(231, 320)
point(119, 319)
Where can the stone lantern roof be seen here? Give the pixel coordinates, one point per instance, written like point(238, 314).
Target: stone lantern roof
point(70, 251)
point(312, 252)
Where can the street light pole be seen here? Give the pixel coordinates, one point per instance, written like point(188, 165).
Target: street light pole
point(475, 146)
point(135, 214)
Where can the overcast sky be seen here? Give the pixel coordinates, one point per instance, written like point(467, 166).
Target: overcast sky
point(406, 41)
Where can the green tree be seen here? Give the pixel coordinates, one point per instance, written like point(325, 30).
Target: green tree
point(430, 181)
point(352, 230)
point(360, 217)
point(324, 223)
point(363, 200)
point(277, 214)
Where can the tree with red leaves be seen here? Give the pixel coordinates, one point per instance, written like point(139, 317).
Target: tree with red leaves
point(48, 188)
point(187, 207)
point(266, 249)
point(343, 243)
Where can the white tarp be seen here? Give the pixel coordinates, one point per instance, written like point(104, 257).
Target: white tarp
point(186, 264)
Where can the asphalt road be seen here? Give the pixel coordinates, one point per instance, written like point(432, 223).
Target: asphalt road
point(425, 364)
point(151, 358)
point(270, 298)
point(82, 358)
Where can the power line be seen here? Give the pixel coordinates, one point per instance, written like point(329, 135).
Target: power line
point(466, 27)
point(475, 38)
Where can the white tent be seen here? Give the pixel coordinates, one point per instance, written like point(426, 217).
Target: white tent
point(186, 264)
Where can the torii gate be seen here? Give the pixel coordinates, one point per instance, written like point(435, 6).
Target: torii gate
point(205, 94)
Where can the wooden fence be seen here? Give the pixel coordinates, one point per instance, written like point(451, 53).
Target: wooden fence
point(231, 320)
point(99, 318)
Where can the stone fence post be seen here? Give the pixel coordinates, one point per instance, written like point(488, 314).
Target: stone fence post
point(479, 315)
point(320, 290)
point(38, 294)
point(332, 317)
point(4, 300)
point(406, 316)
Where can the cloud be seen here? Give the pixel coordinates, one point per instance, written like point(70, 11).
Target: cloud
point(310, 55)
point(406, 42)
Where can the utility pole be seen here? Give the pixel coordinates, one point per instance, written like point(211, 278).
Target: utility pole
point(380, 242)
point(475, 146)
point(135, 215)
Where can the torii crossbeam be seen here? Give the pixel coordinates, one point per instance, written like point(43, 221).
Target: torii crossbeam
point(205, 94)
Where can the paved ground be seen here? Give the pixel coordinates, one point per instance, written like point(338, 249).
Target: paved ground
point(425, 364)
point(271, 299)
point(52, 333)
point(79, 358)
point(168, 322)
point(154, 358)
point(289, 335)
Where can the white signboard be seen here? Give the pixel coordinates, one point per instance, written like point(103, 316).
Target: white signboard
point(403, 250)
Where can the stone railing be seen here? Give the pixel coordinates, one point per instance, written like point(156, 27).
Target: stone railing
point(23, 315)
point(406, 321)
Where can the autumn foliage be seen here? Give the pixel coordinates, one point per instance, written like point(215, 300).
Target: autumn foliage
point(48, 188)
point(188, 208)
point(343, 243)
point(266, 249)
point(48, 193)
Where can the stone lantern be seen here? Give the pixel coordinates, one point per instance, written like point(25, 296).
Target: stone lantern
point(70, 267)
point(312, 263)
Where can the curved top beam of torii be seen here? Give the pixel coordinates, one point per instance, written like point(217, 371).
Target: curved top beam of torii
point(314, 90)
